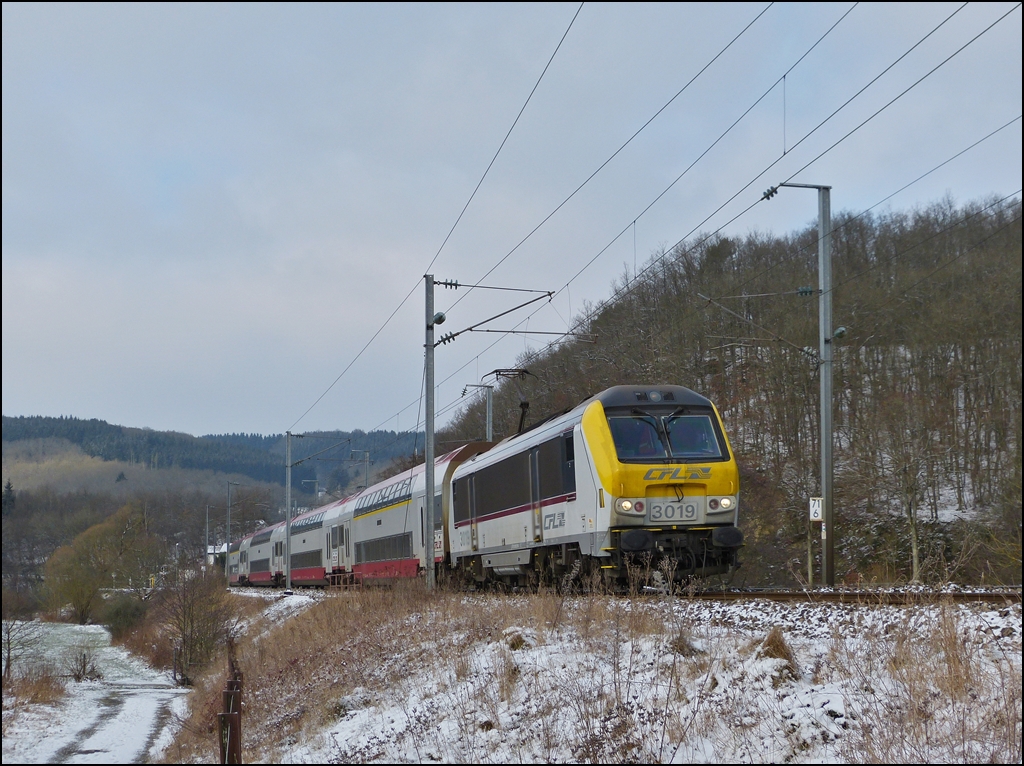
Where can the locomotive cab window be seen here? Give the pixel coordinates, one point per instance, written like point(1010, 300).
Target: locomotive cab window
point(692, 436)
point(644, 436)
point(637, 437)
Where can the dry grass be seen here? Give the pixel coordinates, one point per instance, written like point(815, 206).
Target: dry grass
point(651, 680)
point(775, 647)
point(935, 695)
point(39, 683)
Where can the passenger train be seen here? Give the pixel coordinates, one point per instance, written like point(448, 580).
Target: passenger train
point(637, 478)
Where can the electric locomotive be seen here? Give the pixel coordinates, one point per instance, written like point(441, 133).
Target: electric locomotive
point(639, 477)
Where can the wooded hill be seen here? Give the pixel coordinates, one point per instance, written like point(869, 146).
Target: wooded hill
point(259, 457)
point(71, 474)
point(927, 381)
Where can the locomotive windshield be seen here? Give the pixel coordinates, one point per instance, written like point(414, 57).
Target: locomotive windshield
point(642, 437)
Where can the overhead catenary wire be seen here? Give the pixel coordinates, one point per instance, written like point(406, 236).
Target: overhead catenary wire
point(448, 236)
point(585, 182)
point(452, 405)
point(543, 221)
point(614, 154)
point(882, 261)
point(659, 261)
point(729, 129)
point(882, 201)
point(908, 89)
point(951, 261)
point(621, 293)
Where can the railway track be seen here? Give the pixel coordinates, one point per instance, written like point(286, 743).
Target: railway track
point(865, 597)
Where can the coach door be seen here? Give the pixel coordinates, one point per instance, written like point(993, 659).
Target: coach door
point(278, 558)
point(538, 522)
point(345, 546)
point(333, 540)
point(474, 533)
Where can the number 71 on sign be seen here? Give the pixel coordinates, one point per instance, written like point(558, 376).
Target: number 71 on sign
point(816, 509)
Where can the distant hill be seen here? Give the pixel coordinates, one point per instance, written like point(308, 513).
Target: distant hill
point(253, 455)
point(153, 449)
point(335, 459)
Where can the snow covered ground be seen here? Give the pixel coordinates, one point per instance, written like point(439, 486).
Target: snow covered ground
point(128, 715)
point(607, 680)
point(711, 689)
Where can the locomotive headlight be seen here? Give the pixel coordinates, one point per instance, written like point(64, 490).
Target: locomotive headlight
point(624, 505)
point(629, 506)
point(721, 504)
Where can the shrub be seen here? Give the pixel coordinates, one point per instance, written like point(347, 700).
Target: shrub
point(122, 614)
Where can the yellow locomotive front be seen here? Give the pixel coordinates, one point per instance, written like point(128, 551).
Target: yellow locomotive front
point(668, 480)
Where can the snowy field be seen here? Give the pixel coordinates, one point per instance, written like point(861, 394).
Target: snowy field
point(655, 680)
point(715, 690)
point(128, 715)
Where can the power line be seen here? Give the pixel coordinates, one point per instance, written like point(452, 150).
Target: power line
point(575, 191)
point(889, 259)
point(566, 286)
point(621, 293)
point(658, 261)
point(625, 290)
point(614, 154)
point(771, 165)
point(459, 218)
point(910, 88)
point(882, 201)
point(864, 212)
point(952, 260)
point(452, 405)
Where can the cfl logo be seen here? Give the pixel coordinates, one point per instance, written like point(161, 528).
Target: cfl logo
point(554, 520)
point(677, 474)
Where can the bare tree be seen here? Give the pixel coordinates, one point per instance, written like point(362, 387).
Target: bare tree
point(196, 610)
point(19, 633)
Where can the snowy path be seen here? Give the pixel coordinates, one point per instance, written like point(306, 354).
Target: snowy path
point(123, 718)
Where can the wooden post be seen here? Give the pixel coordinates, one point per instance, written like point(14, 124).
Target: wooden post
point(229, 723)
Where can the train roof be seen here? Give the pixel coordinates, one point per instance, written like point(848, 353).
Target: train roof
point(616, 396)
point(626, 396)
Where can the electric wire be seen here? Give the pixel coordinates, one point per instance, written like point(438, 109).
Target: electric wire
point(457, 402)
point(775, 162)
point(889, 259)
point(459, 218)
point(628, 141)
point(619, 295)
point(911, 87)
point(659, 261)
point(882, 201)
point(622, 292)
point(539, 352)
point(950, 262)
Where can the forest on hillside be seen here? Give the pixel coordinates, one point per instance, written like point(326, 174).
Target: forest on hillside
point(176, 483)
point(322, 456)
point(926, 392)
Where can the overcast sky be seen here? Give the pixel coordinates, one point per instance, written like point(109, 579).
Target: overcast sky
point(209, 210)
